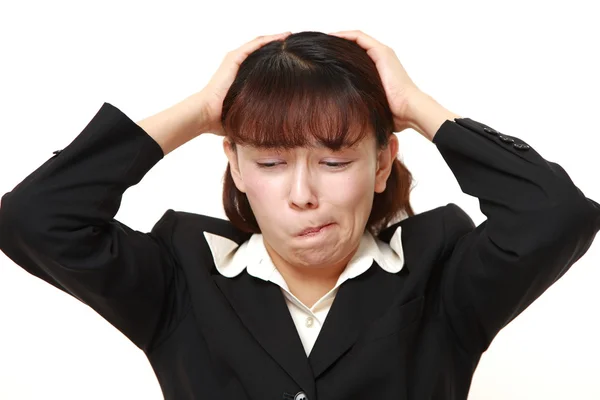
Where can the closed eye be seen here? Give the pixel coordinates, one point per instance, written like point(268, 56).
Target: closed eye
point(267, 165)
point(335, 165)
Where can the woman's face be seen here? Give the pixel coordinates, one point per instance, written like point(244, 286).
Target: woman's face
point(292, 190)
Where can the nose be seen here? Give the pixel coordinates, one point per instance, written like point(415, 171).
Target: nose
point(302, 191)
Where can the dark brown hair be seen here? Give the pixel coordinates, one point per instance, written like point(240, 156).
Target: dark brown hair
point(311, 87)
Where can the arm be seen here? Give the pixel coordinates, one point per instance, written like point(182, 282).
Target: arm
point(178, 124)
point(538, 225)
point(426, 116)
point(58, 224)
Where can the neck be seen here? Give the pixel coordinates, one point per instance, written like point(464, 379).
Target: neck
point(309, 283)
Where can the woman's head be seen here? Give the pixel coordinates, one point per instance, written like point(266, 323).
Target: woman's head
point(309, 141)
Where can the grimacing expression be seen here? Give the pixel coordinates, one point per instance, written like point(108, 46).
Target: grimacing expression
point(291, 190)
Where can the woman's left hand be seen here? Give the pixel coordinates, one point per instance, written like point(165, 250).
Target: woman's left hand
point(400, 89)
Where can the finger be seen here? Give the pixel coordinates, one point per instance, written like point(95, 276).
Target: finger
point(267, 38)
point(243, 51)
point(362, 39)
point(261, 41)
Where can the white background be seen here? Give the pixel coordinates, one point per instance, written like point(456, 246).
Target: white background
point(527, 68)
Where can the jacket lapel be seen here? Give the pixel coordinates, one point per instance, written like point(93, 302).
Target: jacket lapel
point(359, 302)
point(261, 307)
point(363, 299)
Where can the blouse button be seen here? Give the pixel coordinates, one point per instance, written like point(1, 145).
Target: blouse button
point(309, 322)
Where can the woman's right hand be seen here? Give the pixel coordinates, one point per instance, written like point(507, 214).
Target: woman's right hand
point(214, 92)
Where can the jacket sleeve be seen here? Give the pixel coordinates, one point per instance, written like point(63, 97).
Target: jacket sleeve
point(58, 225)
point(538, 225)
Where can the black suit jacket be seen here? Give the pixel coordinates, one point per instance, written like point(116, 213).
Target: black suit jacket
point(417, 334)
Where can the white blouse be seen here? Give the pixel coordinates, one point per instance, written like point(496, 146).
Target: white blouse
point(231, 259)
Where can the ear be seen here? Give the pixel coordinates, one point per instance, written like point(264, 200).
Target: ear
point(385, 161)
point(232, 156)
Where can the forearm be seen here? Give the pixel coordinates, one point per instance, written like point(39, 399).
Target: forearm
point(426, 115)
point(538, 224)
point(57, 204)
point(58, 224)
point(177, 124)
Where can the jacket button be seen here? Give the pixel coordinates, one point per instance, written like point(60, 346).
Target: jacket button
point(521, 146)
point(506, 139)
point(300, 396)
point(490, 131)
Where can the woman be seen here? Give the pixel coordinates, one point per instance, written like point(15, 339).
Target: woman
point(323, 284)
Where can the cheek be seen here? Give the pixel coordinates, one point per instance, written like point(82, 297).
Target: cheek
point(353, 189)
point(262, 192)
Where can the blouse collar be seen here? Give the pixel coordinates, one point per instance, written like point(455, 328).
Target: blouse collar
point(231, 259)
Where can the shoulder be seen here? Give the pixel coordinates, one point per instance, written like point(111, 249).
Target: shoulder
point(431, 233)
point(450, 218)
point(456, 223)
point(435, 230)
point(184, 227)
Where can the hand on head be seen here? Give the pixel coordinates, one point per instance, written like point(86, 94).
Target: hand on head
point(214, 92)
point(399, 88)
